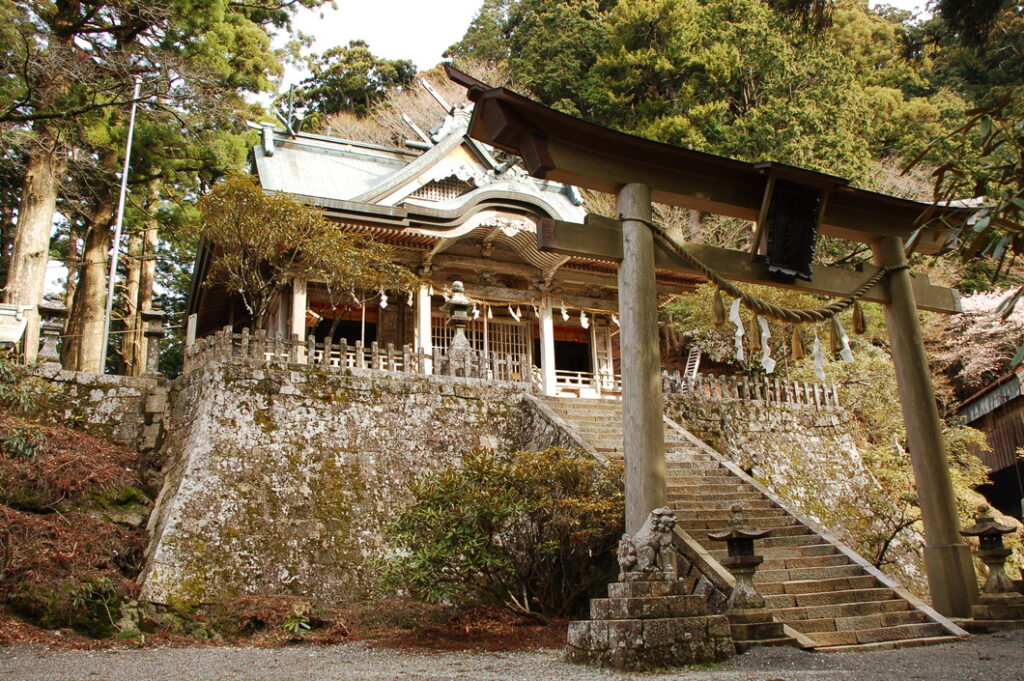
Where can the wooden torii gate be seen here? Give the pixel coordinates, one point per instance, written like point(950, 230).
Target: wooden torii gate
point(558, 147)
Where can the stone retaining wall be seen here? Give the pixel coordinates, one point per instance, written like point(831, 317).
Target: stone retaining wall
point(278, 479)
point(128, 410)
point(803, 454)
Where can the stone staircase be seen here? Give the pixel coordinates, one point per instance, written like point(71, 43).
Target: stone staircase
point(829, 598)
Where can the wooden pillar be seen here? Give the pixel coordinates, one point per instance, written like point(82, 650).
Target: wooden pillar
point(423, 330)
point(951, 577)
point(643, 434)
point(298, 322)
point(547, 347)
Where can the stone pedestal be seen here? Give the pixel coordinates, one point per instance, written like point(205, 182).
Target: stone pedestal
point(1002, 606)
point(756, 628)
point(649, 624)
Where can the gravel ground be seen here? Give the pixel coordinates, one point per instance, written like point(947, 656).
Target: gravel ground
point(995, 657)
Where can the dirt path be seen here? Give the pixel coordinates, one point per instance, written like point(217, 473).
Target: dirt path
point(997, 657)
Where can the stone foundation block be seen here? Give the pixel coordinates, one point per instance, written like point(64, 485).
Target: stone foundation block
point(659, 627)
point(652, 607)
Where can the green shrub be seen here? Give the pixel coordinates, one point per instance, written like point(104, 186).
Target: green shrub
point(20, 393)
point(533, 531)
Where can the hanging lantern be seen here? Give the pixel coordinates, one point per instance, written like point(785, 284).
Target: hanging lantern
point(717, 308)
point(796, 343)
point(860, 323)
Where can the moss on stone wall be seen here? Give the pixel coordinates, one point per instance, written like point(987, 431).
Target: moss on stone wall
point(279, 479)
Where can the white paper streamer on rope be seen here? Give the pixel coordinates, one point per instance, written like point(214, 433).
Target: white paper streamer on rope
point(476, 312)
point(490, 315)
point(584, 322)
point(408, 300)
point(766, 352)
point(565, 314)
point(383, 299)
point(819, 358)
point(734, 317)
point(846, 353)
point(615, 320)
point(514, 314)
point(536, 312)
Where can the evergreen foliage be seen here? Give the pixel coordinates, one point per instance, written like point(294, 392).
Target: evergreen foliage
point(266, 241)
point(532, 531)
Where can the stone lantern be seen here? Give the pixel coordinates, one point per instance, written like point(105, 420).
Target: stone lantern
point(52, 313)
point(999, 600)
point(459, 349)
point(750, 624)
point(742, 562)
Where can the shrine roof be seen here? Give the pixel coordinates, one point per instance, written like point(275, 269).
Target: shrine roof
point(321, 166)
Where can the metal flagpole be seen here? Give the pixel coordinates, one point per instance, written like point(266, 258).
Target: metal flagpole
point(117, 227)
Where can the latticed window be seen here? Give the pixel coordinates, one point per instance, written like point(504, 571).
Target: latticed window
point(442, 190)
point(503, 337)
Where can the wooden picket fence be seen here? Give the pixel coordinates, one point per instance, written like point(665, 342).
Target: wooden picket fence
point(745, 388)
point(262, 349)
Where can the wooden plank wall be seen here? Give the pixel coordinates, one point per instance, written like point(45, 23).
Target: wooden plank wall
point(1004, 427)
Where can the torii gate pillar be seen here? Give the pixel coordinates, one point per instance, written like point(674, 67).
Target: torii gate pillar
point(951, 578)
point(643, 433)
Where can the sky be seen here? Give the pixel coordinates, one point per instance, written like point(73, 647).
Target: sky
point(412, 29)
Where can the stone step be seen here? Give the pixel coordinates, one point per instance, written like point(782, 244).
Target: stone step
point(802, 562)
point(703, 491)
point(860, 622)
point(828, 598)
point(808, 586)
point(825, 572)
point(764, 516)
point(885, 634)
point(842, 610)
point(701, 533)
point(719, 478)
point(779, 522)
point(889, 645)
point(741, 497)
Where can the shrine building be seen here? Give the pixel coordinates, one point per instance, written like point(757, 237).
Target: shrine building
point(451, 211)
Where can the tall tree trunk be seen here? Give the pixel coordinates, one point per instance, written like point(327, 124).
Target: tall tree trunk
point(83, 345)
point(140, 281)
point(74, 257)
point(147, 280)
point(130, 350)
point(26, 278)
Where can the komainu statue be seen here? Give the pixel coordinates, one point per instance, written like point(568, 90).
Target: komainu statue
point(648, 554)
